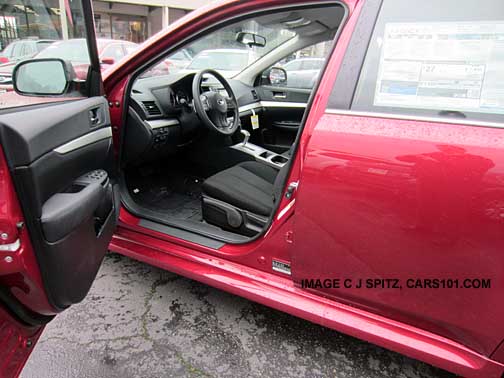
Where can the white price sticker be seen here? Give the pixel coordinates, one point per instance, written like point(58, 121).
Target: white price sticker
point(254, 120)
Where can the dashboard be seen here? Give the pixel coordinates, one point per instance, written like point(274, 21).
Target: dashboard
point(161, 118)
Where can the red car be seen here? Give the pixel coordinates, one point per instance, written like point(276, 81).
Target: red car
point(372, 204)
point(73, 50)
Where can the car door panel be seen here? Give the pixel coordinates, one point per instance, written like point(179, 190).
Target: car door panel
point(61, 162)
point(413, 215)
point(283, 111)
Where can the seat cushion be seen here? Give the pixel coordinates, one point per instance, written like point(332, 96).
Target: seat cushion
point(248, 186)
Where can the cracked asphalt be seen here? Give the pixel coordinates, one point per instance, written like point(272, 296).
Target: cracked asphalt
point(140, 321)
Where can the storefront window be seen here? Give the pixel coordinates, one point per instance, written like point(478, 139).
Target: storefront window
point(21, 19)
point(121, 27)
point(102, 25)
point(129, 28)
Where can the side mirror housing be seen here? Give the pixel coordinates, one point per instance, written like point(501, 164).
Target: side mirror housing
point(107, 60)
point(42, 77)
point(277, 76)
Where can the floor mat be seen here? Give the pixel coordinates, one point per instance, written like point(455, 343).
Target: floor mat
point(175, 195)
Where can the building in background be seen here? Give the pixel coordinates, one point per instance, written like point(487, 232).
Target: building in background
point(129, 20)
point(136, 20)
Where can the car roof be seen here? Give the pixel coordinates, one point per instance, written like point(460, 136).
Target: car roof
point(108, 40)
point(29, 40)
point(101, 42)
point(240, 51)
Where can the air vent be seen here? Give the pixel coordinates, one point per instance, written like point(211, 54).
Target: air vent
point(254, 94)
point(151, 108)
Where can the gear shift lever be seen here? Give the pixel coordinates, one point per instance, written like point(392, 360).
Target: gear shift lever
point(246, 136)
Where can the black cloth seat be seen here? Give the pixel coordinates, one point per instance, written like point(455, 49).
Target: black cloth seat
point(242, 198)
point(248, 186)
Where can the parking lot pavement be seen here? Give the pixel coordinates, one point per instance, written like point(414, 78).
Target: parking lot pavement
point(140, 321)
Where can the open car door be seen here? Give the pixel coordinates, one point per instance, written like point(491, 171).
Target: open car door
point(58, 204)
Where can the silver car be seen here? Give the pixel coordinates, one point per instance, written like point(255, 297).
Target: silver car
point(303, 72)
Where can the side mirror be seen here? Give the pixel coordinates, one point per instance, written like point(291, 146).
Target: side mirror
point(250, 39)
point(107, 60)
point(277, 76)
point(42, 77)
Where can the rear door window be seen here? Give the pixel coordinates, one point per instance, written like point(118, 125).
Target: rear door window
point(447, 63)
point(17, 50)
point(28, 49)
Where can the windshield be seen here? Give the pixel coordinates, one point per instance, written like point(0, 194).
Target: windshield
point(221, 60)
point(74, 51)
point(221, 51)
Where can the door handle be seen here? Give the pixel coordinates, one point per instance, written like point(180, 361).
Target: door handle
point(94, 116)
point(279, 95)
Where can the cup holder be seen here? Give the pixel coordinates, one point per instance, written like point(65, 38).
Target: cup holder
point(266, 154)
point(279, 159)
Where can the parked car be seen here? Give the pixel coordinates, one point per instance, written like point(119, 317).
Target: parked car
point(382, 219)
point(74, 50)
point(228, 62)
point(180, 60)
point(16, 52)
point(170, 65)
point(23, 49)
point(303, 72)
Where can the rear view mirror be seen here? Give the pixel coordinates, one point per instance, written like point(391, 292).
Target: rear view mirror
point(250, 39)
point(277, 75)
point(41, 77)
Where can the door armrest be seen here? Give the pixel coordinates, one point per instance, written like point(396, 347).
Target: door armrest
point(64, 212)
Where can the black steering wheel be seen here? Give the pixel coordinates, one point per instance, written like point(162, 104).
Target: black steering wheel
point(213, 108)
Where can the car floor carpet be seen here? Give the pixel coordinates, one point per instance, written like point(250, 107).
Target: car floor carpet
point(176, 195)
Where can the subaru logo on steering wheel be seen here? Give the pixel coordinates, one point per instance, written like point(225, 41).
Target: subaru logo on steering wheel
point(220, 101)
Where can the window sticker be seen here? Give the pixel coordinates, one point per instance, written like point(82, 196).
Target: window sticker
point(446, 66)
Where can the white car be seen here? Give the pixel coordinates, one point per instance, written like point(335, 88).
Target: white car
point(181, 59)
point(303, 72)
point(228, 62)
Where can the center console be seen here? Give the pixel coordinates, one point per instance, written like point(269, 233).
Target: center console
point(262, 155)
